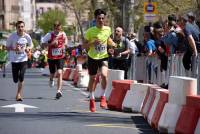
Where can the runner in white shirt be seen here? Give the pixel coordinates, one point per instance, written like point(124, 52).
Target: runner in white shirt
point(17, 45)
point(56, 42)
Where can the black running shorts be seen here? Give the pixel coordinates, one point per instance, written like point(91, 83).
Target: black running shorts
point(55, 65)
point(94, 65)
point(18, 71)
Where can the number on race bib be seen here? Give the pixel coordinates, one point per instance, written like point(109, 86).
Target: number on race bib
point(56, 51)
point(100, 48)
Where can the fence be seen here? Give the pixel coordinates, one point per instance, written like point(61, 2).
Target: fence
point(148, 69)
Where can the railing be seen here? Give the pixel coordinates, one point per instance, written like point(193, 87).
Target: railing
point(147, 69)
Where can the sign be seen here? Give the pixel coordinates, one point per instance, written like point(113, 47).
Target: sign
point(150, 8)
point(150, 11)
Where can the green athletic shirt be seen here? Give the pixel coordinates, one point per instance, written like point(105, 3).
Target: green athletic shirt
point(3, 55)
point(102, 34)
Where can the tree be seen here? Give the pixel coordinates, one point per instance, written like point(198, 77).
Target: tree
point(47, 19)
point(78, 7)
point(165, 7)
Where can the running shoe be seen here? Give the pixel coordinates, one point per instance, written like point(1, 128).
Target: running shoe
point(51, 83)
point(58, 95)
point(92, 105)
point(103, 103)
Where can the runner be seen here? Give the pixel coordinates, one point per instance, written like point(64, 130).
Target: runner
point(3, 59)
point(17, 45)
point(96, 40)
point(56, 41)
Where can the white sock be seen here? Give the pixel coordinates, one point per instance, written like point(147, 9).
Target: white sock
point(59, 91)
point(103, 93)
point(92, 95)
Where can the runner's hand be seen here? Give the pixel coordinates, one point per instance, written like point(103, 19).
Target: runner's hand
point(54, 42)
point(111, 51)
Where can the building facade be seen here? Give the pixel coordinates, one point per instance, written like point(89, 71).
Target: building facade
point(14, 10)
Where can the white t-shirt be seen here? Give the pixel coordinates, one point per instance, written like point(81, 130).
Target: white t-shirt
point(133, 47)
point(23, 41)
point(47, 37)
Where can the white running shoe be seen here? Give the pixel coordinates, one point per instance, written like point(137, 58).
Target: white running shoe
point(51, 83)
point(58, 95)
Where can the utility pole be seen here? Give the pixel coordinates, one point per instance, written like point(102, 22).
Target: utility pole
point(131, 17)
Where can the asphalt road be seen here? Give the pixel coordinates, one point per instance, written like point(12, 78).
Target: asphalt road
point(69, 115)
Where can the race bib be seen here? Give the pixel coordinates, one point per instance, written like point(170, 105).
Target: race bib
point(19, 52)
point(56, 51)
point(100, 48)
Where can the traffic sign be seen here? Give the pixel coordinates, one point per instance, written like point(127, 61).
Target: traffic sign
point(150, 8)
point(150, 11)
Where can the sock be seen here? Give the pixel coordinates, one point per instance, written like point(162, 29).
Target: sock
point(103, 93)
point(59, 91)
point(92, 95)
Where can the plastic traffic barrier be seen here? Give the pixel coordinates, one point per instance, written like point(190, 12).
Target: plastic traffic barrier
point(120, 88)
point(66, 74)
point(169, 117)
point(180, 87)
point(135, 97)
point(159, 109)
point(157, 99)
point(112, 75)
point(189, 116)
point(83, 79)
point(149, 99)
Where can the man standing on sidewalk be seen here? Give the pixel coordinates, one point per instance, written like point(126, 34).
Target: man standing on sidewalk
point(17, 45)
point(96, 40)
point(56, 41)
point(120, 58)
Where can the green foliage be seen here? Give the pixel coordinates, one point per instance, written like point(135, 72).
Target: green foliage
point(35, 43)
point(47, 19)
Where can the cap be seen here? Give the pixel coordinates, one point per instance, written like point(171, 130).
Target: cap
point(190, 14)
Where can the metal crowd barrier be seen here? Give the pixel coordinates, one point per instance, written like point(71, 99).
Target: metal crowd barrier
point(147, 69)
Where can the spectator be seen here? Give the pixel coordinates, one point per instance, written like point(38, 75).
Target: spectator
point(121, 52)
point(191, 41)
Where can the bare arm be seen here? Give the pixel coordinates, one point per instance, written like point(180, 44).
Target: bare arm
point(126, 52)
point(192, 44)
